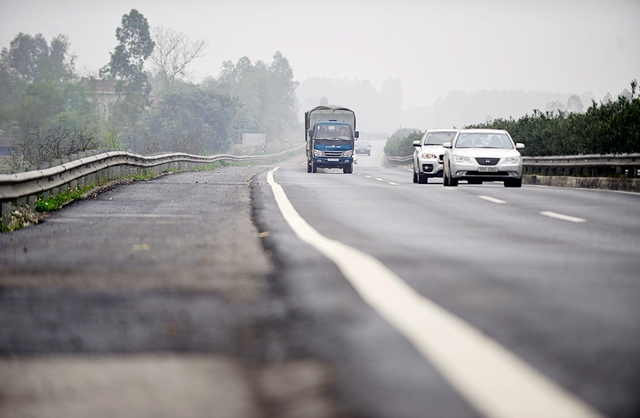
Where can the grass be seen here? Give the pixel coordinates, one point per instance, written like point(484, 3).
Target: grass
point(58, 201)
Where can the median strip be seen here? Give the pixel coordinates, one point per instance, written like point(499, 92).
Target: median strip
point(491, 379)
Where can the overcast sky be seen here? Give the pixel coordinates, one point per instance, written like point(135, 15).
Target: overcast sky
point(433, 47)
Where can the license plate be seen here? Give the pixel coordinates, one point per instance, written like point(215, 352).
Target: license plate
point(487, 169)
point(333, 159)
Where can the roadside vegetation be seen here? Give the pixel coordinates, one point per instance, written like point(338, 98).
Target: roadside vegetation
point(608, 127)
point(142, 100)
point(400, 143)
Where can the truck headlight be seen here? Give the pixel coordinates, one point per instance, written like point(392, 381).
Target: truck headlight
point(317, 153)
point(347, 153)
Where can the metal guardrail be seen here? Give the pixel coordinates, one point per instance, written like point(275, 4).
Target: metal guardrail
point(398, 160)
point(23, 188)
point(627, 165)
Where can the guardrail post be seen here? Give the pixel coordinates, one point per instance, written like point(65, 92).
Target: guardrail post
point(6, 213)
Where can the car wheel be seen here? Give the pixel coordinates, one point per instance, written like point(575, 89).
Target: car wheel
point(453, 182)
point(513, 183)
point(415, 177)
point(422, 179)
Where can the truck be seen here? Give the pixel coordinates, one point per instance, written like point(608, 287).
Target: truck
point(330, 135)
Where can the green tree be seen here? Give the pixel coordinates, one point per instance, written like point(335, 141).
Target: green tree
point(40, 104)
point(126, 66)
point(128, 58)
point(267, 93)
point(30, 59)
point(194, 120)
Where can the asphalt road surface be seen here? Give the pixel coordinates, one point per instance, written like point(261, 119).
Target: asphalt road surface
point(383, 298)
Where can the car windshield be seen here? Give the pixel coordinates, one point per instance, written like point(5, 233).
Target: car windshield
point(484, 140)
point(333, 132)
point(438, 138)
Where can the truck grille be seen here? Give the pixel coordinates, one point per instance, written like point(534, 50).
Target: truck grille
point(333, 154)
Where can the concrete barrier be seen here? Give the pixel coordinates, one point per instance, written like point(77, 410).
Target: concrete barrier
point(607, 183)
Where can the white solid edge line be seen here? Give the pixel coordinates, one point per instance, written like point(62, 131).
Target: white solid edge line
point(562, 217)
point(492, 199)
point(493, 380)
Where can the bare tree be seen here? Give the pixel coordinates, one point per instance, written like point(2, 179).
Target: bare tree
point(174, 51)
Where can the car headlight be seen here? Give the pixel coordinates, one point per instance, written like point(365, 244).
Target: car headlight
point(347, 153)
point(317, 153)
point(461, 159)
point(428, 156)
point(512, 160)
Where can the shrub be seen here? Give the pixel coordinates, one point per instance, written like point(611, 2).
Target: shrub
point(400, 144)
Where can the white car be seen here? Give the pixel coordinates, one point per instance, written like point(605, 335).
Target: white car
point(428, 154)
point(478, 155)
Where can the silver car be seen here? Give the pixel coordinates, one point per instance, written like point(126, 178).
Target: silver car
point(478, 155)
point(428, 154)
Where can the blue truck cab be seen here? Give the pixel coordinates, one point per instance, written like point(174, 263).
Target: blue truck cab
point(330, 134)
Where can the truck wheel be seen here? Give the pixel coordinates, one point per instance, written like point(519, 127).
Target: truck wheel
point(308, 168)
point(314, 168)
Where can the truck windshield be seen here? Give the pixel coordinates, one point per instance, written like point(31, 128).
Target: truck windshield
point(333, 132)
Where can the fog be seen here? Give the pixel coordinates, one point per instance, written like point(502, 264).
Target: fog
point(392, 62)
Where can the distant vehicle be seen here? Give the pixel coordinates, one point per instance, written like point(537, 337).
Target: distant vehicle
point(478, 155)
point(363, 147)
point(330, 135)
point(428, 154)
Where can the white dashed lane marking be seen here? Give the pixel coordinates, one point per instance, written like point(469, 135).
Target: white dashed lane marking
point(562, 217)
point(492, 199)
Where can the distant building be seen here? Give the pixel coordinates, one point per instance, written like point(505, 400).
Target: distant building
point(102, 93)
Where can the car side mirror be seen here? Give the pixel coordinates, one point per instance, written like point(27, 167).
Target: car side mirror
point(519, 145)
point(446, 145)
point(416, 143)
point(356, 134)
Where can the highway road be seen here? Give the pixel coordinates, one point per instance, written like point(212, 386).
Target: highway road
point(269, 291)
point(551, 275)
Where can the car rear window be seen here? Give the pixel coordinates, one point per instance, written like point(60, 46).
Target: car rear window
point(438, 138)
